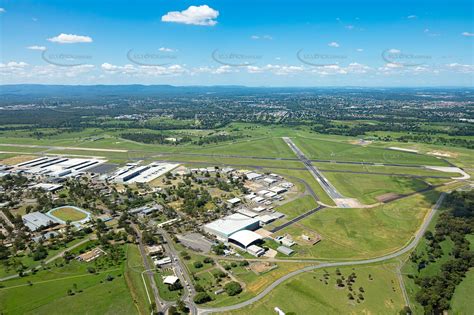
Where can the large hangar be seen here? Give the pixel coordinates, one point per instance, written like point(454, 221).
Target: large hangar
point(245, 238)
point(226, 226)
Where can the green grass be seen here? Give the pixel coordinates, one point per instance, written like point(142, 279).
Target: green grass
point(164, 290)
point(298, 206)
point(362, 233)
point(340, 151)
point(307, 292)
point(48, 292)
point(307, 177)
point(418, 171)
point(132, 273)
point(367, 187)
point(69, 214)
point(462, 301)
point(28, 261)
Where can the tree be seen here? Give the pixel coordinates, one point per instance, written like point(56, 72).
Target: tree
point(233, 288)
point(198, 264)
point(201, 297)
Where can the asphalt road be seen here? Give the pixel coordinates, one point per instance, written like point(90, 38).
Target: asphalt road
point(267, 290)
point(325, 184)
point(181, 272)
point(296, 219)
point(160, 304)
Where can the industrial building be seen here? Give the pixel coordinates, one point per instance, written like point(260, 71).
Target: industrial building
point(37, 220)
point(226, 226)
point(245, 238)
point(133, 173)
point(57, 166)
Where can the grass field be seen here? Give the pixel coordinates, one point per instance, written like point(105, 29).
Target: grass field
point(297, 206)
point(132, 274)
point(366, 188)
point(462, 301)
point(308, 291)
point(363, 233)
point(46, 292)
point(340, 151)
point(308, 178)
point(69, 214)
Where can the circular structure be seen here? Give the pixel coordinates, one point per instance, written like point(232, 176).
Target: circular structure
point(69, 213)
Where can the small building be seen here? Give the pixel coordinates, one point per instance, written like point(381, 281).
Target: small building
point(91, 255)
point(170, 280)
point(255, 250)
point(253, 176)
point(247, 212)
point(47, 187)
point(154, 250)
point(162, 262)
point(285, 250)
point(233, 201)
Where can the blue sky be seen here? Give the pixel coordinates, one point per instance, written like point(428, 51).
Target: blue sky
point(255, 43)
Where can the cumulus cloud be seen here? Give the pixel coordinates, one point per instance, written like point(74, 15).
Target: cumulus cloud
point(194, 15)
point(2, 10)
point(359, 49)
point(36, 47)
point(140, 71)
point(333, 44)
point(25, 72)
point(467, 34)
point(70, 39)
point(411, 17)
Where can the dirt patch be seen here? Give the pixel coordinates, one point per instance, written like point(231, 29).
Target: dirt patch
point(308, 238)
point(18, 159)
point(361, 142)
point(443, 154)
point(262, 267)
point(387, 197)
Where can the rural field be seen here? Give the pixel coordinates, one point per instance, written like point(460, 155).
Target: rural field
point(317, 290)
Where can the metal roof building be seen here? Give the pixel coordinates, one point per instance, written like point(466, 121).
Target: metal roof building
point(226, 226)
point(244, 238)
point(36, 220)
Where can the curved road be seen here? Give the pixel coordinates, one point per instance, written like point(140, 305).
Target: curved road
point(267, 290)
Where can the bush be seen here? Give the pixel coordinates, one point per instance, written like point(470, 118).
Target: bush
point(201, 297)
point(233, 288)
point(208, 260)
point(198, 264)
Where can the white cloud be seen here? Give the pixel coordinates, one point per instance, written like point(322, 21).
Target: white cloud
point(411, 17)
point(2, 10)
point(462, 68)
point(70, 39)
point(467, 34)
point(142, 71)
point(350, 27)
point(25, 72)
point(165, 49)
point(201, 15)
point(394, 51)
point(333, 44)
point(256, 37)
point(36, 47)
point(359, 49)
